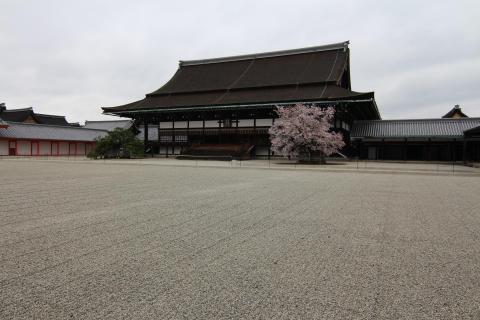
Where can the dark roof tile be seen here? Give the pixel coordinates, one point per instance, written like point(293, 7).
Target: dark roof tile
point(300, 75)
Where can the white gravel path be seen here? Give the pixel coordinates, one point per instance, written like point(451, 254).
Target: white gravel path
point(106, 241)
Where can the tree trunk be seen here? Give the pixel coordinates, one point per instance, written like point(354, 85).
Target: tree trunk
point(322, 158)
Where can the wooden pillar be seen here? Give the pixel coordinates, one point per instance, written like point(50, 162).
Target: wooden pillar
point(219, 131)
point(454, 153)
point(449, 148)
point(173, 135)
point(188, 127)
point(237, 138)
point(203, 127)
point(145, 133)
point(382, 150)
point(429, 149)
point(405, 150)
point(254, 134)
point(158, 134)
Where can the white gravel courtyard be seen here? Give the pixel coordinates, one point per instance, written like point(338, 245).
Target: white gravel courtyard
point(88, 240)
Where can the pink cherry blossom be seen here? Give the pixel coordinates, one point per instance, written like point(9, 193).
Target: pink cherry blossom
point(303, 130)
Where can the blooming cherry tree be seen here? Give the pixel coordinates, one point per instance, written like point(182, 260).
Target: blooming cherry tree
point(304, 130)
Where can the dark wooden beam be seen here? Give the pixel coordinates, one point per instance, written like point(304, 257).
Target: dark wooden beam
point(145, 134)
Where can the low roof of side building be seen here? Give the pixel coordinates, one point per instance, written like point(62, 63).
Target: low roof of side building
point(109, 125)
point(473, 132)
point(3, 124)
point(33, 131)
point(51, 119)
point(413, 128)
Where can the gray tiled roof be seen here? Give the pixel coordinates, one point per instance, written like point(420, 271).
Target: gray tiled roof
point(413, 128)
point(17, 130)
point(108, 125)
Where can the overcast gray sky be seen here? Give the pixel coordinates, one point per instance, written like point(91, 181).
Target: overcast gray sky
point(73, 57)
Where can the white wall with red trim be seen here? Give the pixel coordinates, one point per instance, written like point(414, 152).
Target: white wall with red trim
point(27, 147)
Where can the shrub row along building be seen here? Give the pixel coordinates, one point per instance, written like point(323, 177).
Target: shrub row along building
point(26, 133)
point(222, 104)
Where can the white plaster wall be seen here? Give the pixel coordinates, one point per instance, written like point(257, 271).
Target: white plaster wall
point(88, 148)
point(23, 148)
point(3, 148)
point(45, 148)
point(180, 124)
point(80, 149)
point(63, 148)
point(196, 124)
point(71, 149)
point(264, 122)
point(211, 124)
point(245, 123)
point(166, 125)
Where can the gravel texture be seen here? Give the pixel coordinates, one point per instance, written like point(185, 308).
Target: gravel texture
point(108, 241)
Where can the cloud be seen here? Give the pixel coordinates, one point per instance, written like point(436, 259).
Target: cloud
point(72, 57)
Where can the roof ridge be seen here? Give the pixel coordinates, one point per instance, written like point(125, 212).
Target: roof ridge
point(16, 110)
point(90, 121)
point(50, 125)
point(424, 119)
point(49, 115)
point(333, 46)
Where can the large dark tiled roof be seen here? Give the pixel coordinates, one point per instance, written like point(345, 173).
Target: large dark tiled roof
point(302, 75)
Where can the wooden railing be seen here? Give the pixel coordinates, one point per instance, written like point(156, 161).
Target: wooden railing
point(214, 131)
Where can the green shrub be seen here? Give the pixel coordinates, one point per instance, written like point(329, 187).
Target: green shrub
point(119, 143)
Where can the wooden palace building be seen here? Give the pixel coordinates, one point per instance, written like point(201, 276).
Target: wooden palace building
point(24, 132)
point(227, 104)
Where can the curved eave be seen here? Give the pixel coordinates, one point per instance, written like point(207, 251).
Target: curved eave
point(366, 114)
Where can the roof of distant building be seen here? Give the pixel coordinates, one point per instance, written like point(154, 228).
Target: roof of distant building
point(109, 125)
point(3, 124)
point(27, 114)
point(17, 130)
point(51, 119)
point(413, 128)
point(473, 131)
point(456, 112)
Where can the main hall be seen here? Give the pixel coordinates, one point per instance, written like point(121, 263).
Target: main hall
point(227, 105)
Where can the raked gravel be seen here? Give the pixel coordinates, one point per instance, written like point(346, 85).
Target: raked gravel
point(108, 241)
